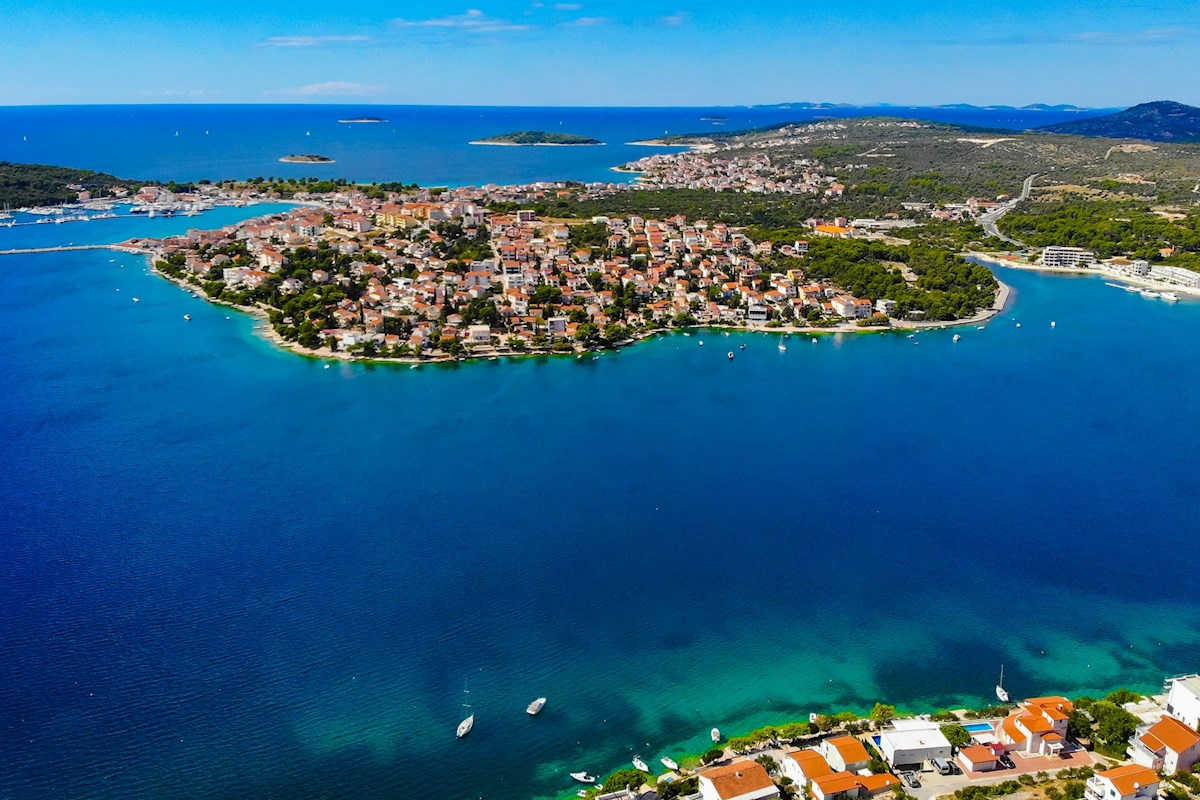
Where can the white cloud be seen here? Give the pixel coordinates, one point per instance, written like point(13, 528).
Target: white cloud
point(586, 22)
point(331, 89)
point(568, 6)
point(310, 41)
point(675, 20)
point(474, 21)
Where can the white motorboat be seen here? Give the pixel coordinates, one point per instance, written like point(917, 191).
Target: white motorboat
point(1170, 297)
point(1053, 324)
point(669, 763)
point(583, 777)
point(782, 347)
point(639, 764)
point(188, 317)
point(465, 726)
point(136, 300)
point(1001, 693)
point(814, 340)
point(730, 354)
point(536, 707)
point(702, 343)
point(716, 735)
point(956, 337)
point(1149, 294)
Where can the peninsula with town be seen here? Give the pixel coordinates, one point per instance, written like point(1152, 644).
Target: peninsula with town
point(849, 225)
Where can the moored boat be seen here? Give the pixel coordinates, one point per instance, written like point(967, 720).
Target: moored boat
point(1170, 297)
point(715, 734)
point(1001, 692)
point(583, 777)
point(465, 726)
point(669, 763)
point(639, 764)
point(536, 707)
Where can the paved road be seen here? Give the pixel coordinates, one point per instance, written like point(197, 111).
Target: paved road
point(988, 221)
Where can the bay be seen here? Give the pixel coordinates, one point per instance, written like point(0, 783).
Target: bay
point(226, 570)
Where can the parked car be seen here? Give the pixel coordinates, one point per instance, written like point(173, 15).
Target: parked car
point(911, 779)
point(942, 766)
point(1007, 762)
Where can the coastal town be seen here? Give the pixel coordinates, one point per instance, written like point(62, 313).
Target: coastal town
point(1125, 746)
point(439, 275)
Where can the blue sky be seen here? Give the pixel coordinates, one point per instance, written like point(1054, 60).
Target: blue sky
point(600, 52)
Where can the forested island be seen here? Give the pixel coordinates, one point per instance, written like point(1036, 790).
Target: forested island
point(528, 138)
point(362, 121)
point(41, 185)
point(308, 158)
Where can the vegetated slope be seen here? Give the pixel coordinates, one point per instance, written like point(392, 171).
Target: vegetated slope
point(38, 184)
point(1160, 121)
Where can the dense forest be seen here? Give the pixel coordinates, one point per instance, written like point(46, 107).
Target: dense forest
point(1108, 228)
point(24, 185)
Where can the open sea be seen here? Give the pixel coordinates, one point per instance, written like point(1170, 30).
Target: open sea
point(227, 571)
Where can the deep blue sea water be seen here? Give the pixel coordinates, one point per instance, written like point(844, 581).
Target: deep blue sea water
point(425, 144)
point(228, 571)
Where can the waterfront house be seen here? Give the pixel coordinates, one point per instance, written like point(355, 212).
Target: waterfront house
point(849, 785)
point(1183, 699)
point(1131, 782)
point(845, 754)
point(910, 742)
point(741, 780)
point(1038, 726)
point(804, 766)
point(978, 758)
point(1167, 746)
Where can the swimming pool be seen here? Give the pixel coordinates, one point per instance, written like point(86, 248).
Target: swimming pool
point(978, 727)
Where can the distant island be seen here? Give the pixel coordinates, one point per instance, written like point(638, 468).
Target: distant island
point(1160, 121)
point(713, 118)
point(361, 121)
point(533, 138)
point(306, 159)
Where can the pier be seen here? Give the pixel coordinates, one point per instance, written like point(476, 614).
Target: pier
point(64, 248)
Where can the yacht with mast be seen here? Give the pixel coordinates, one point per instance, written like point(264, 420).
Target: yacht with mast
point(1001, 693)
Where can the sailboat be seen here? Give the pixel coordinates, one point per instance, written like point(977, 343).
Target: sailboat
point(1000, 691)
point(465, 726)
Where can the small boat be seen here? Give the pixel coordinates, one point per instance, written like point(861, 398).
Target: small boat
point(639, 764)
point(581, 793)
point(1149, 295)
point(956, 337)
point(136, 300)
point(465, 726)
point(494, 358)
point(583, 777)
point(814, 340)
point(731, 355)
point(536, 707)
point(978, 327)
point(743, 346)
point(188, 317)
point(1001, 693)
point(715, 734)
point(1170, 297)
point(782, 347)
point(702, 343)
point(1053, 324)
point(326, 366)
point(685, 333)
point(414, 366)
point(1018, 324)
point(669, 763)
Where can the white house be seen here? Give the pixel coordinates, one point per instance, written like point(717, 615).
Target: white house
point(757, 313)
point(845, 754)
point(1167, 746)
point(1183, 699)
point(805, 766)
point(1131, 782)
point(741, 780)
point(479, 334)
point(977, 758)
point(1038, 726)
point(913, 741)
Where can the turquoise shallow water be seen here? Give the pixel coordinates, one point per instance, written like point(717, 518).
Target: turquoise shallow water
point(226, 570)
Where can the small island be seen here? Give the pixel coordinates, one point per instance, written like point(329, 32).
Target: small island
point(362, 121)
point(538, 138)
point(308, 158)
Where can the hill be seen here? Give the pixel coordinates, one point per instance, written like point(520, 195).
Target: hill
point(1160, 121)
point(40, 185)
